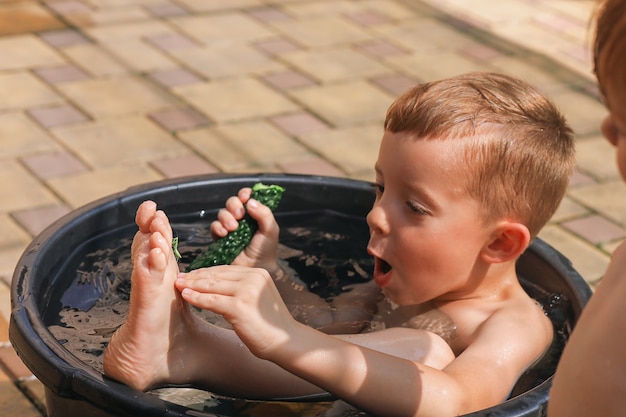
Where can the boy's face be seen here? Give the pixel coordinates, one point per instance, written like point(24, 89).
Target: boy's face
point(425, 230)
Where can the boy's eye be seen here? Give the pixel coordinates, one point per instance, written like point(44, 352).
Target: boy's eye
point(379, 188)
point(416, 208)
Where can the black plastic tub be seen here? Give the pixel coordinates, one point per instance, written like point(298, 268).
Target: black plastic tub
point(44, 274)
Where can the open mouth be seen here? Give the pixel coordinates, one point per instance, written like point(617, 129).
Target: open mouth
point(381, 272)
point(383, 266)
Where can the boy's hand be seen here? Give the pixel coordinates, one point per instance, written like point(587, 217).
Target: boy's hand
point(247, 298)
point(261, 252)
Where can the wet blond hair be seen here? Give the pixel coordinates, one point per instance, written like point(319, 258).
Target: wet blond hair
point(609, 52)
point(519, 149)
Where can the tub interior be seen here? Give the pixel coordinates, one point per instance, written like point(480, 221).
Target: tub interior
point(325, 235)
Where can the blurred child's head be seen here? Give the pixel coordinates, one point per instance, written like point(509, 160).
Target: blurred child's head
point(519, 150)
point(610, 48)
point(610, 69)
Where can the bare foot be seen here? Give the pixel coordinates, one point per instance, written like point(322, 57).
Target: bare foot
point(140, 353)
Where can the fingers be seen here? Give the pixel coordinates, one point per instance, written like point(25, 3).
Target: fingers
point(264, 217)
point(234, 210)
point(219, 289)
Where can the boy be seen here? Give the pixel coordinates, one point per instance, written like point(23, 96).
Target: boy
point(591, 376)
point(469, 169)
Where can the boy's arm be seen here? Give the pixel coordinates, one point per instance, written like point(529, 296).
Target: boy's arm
point(381, 372)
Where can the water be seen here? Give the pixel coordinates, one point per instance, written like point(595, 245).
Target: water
point(324, 250)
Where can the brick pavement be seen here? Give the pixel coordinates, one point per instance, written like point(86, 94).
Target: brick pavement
point(100, 95)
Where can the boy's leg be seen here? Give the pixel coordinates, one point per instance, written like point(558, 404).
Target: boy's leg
point(140, 351)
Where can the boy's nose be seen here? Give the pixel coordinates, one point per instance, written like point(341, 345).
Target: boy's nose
point(377, 220)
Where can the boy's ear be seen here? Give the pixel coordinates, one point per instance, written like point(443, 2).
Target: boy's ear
point(509, 241)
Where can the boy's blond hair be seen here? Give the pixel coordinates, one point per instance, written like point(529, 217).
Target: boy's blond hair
point(520, 150)
point(609, 46)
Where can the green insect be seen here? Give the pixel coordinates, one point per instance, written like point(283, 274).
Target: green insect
point(223, 251)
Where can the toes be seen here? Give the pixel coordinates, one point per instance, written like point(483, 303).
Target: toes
point(161, 224)
point(145, 214)
point(157, 260)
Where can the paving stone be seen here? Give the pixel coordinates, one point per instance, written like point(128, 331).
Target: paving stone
point(63, 38)
point(579, 178)
point(13, 236)
point(5, 300)
point(64, 7)
point(285, 80)
point(420, 65)
point(216, 149)
point(173, 77)
point(269, 14)
point(395, 84)
point(277, 46)
point(261, 142)
point(48, 165)
point(301, 10)
point(235, 99)
point(322, 32)
point(115, 96)
point(22, 90)
point(339, 146)
point(299, 124)
point(12, 402)
point(178, 119)
point(380, 48)
point(542, 79)
point(56, 75)
point(8, 260)
point(167, 10)
point(13, 365)
point(611, 246)
point(561, 23)
point(128, 51)
point(335, 64)
point(27, 51)
point(367, 17)
point(218, 5)
point(183, 166)
point(588, 261)
point(24, 189)
point(226, 61)
point(80, 189)
point(422, 35)
point(583, 112)
point(169, 42)
point(21, 136)
point(35, 392)
point(595, 229)
point(223, 28)
point(607, 199)
point(129, 30)
point(346, 103)
point(24, 17)
point(311, 166)
point(109, 142)
point(480, 52)
point(596, 156)
point(57, 116)
point(569, 209)
point(95, 60)
point(35, 220)
point(244, 147)
point(4, 329)
point(108, 16)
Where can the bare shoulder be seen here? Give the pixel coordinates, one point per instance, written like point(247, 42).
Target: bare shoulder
point(496, 343)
